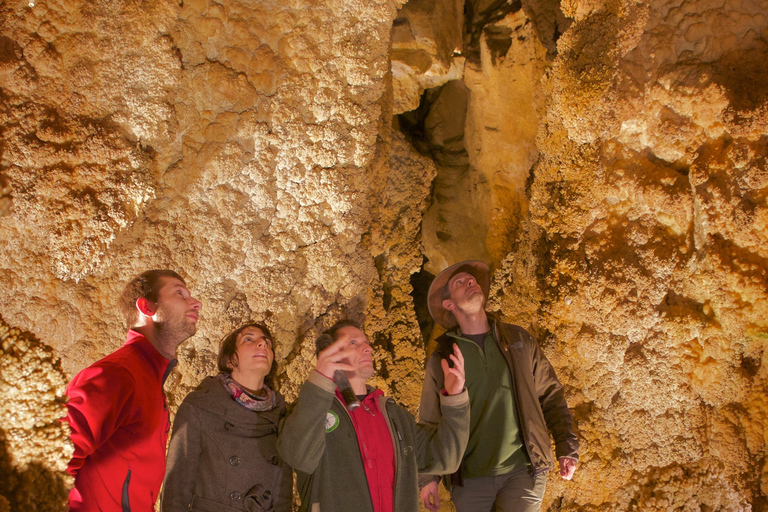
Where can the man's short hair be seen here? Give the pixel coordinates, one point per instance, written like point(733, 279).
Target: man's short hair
point(147, 285)
point(330, 335)
point(227, 358)
point(445, 292)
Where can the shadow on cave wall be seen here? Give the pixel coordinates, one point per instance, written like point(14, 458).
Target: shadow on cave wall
point(480, 17)
point(420, 282)
point(744, 76)
point(436, 129)
point(33, 487)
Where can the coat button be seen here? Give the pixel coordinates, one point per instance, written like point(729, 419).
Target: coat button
point(228, 426)
point(275, 460)
point(234, 460)
point(234, 495)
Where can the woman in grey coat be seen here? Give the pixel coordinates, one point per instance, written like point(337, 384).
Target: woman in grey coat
point(223, 455)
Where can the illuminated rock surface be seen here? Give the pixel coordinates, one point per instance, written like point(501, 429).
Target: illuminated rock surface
point(300, 161)
point(35, 446)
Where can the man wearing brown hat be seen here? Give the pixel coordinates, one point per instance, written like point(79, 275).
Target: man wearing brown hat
point(515, 396)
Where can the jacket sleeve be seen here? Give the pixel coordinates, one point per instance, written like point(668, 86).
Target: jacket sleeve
point(183, 460)
point(301, 436)
point(99, 404)
point(429, 407)
point(441, 448)
point(553, 405)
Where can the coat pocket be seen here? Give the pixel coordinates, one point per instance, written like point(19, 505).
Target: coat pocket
point(259, 499)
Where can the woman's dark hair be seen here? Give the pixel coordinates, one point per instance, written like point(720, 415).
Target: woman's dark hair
point(329, 335)
point(227, 358)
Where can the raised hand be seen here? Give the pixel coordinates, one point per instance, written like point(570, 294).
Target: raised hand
point(454, 377)
point(334, 357)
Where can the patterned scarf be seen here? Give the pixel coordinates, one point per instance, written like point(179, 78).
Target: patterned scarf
point(264, 402)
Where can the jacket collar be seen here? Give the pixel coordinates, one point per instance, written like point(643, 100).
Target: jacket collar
point(443, 341)
point(493, 320)
point(370, 392)
point(211, 396)
point(373, 397)
point(159, 364)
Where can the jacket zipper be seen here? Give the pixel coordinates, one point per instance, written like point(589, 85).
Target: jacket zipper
point(395, 445)
point(508, 357)
point(126, 501)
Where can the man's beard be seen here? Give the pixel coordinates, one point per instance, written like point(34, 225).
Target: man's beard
point(367, 373)
point(175, 328)
point(473, 304)
point(364, 373)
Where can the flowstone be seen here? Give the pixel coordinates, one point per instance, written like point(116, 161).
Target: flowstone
point(34, 444)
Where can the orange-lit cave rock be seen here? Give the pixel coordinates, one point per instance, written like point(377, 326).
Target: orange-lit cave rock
point(35, 445)
point(302, 161)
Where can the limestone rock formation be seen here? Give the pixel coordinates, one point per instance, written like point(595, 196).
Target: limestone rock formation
point(633, 162)
point(649, 192)
point(426, 45)
point(34, 445)
point(302, 161)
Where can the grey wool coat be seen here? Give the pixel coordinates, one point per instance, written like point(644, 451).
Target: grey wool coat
point(223, 457)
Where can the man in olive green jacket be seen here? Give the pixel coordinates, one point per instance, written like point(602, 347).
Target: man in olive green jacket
point(516, 400)
point(367, 459)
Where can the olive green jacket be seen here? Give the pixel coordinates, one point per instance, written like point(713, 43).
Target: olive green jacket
point(318, 439)
point(539, 397)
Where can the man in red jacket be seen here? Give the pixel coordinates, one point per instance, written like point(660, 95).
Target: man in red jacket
point(117, 410)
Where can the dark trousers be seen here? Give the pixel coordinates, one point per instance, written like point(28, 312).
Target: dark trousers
point(517, 491)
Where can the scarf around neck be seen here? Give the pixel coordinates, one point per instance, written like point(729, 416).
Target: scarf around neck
point(248, 400)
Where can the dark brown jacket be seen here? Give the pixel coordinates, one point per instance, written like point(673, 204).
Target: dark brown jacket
point(223, 457)
point(539, 396)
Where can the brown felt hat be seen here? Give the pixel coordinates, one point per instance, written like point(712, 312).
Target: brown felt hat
point(435, 295)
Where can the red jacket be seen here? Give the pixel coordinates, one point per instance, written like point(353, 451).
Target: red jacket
point(118, 417)
point(376, 450)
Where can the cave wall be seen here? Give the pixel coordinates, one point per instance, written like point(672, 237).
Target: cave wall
point(615, 156)
point(300, 161)
point(650, 198)
point(34, 445)
point(246, 145)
